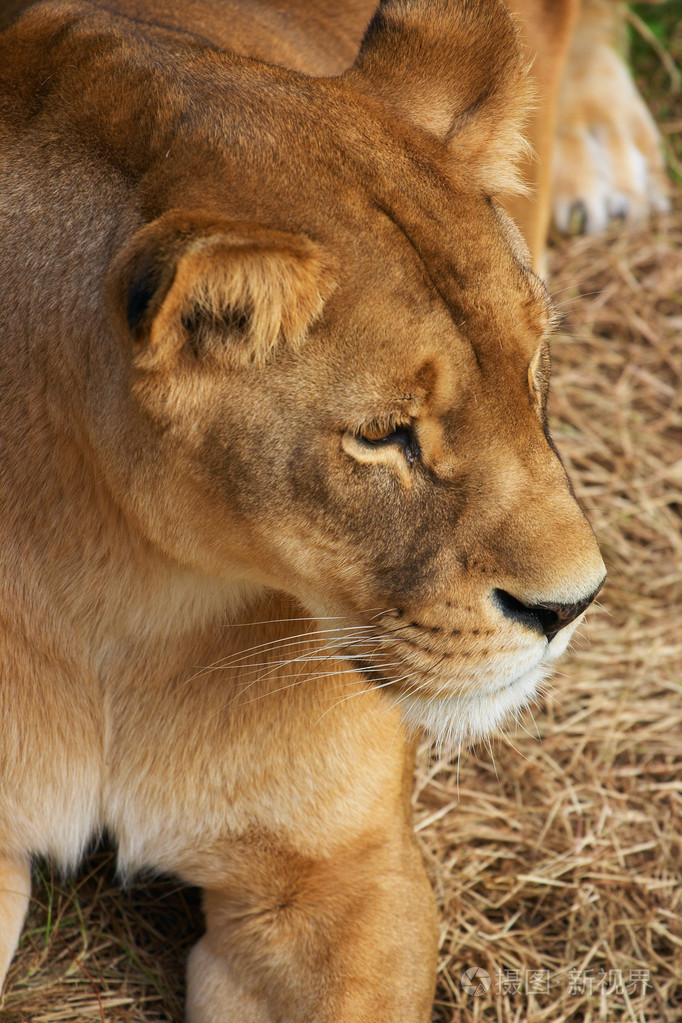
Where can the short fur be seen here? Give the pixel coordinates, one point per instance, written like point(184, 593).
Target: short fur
point(275, 469)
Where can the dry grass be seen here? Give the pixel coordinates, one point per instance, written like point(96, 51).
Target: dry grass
point(558, 867)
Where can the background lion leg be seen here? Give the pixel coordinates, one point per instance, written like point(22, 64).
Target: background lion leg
point(546, 31)
point(342, 939)
point(608, 160)
point(15, 891)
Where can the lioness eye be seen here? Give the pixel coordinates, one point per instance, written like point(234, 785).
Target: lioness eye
point(403, 436)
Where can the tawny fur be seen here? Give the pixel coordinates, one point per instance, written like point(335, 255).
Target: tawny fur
point(274, 373)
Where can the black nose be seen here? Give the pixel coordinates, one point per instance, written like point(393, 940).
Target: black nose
point(546, 618)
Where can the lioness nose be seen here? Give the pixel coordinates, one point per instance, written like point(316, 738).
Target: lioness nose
point(547, 618)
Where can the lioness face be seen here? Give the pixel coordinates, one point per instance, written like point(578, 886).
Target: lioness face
point(348, 401)
point(393, 471)
point(416, 494)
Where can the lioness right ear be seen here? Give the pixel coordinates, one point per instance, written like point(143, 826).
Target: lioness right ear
point(187, 282)
point(454, 69)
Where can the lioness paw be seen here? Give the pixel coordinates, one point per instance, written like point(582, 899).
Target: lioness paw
point(608, 159)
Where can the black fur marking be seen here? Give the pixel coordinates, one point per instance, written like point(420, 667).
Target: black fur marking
point(142, 290)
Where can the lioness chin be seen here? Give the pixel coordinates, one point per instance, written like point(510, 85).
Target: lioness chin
point(276, 479)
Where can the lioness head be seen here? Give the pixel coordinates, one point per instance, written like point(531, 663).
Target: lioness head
point(322, 361)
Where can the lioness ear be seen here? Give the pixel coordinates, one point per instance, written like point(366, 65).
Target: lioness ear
point(454, 69)
point(187, 283)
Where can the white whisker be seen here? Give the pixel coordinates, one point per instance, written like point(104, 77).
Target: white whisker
point(314, 678)
point(320, 636)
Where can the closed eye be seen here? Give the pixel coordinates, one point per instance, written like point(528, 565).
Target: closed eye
point(403, 437)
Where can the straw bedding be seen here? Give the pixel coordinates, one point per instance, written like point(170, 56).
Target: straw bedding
point(556, 854)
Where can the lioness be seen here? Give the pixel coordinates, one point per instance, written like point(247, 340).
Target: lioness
point(276, 480)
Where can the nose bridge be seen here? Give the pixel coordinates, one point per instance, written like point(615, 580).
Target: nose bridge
point(543, 546)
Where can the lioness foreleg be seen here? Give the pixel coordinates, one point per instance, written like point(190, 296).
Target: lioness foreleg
point(15, 890)
point(350, 938)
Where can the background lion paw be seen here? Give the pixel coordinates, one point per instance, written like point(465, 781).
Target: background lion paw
point(608, 158)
